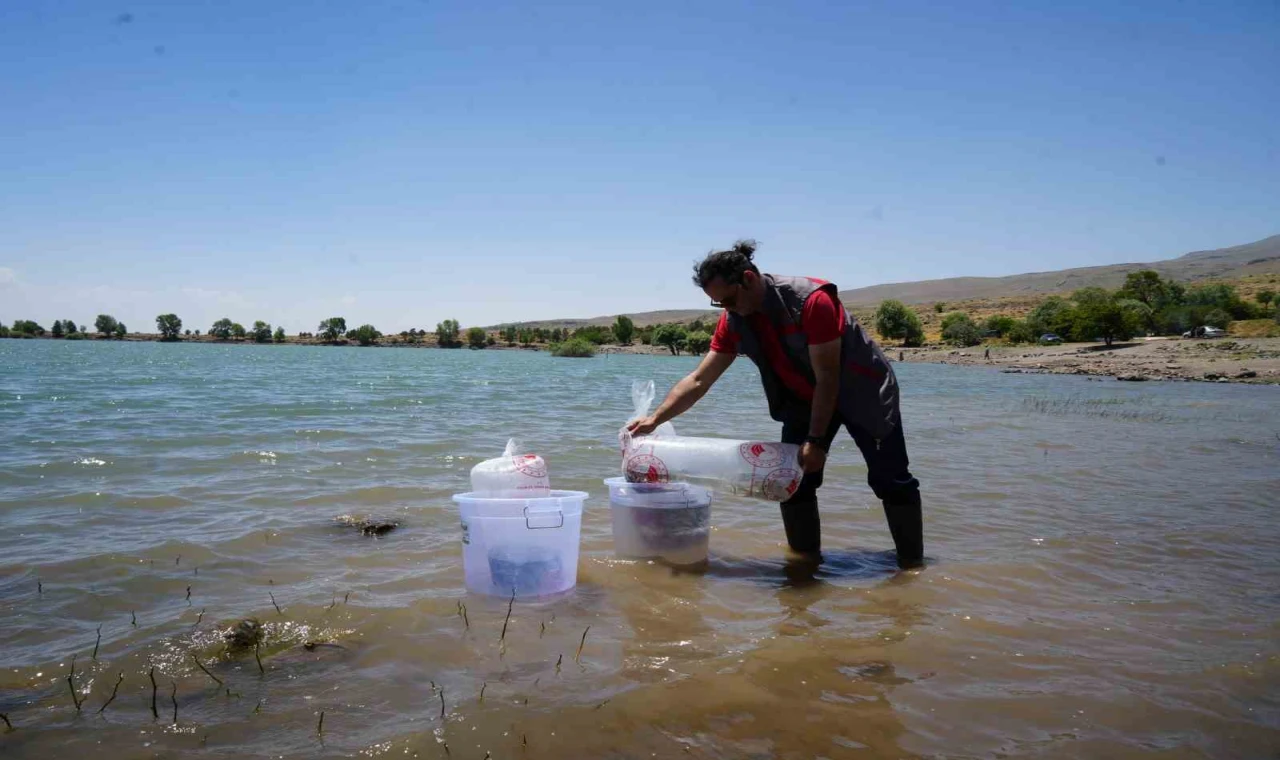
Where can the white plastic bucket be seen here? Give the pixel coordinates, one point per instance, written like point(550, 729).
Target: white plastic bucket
point(666, 521)
point(528, 547)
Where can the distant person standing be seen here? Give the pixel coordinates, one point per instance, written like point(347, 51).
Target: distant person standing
point(820, 372)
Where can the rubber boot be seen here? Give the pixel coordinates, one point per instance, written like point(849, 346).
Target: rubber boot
point(906, 524)
point(804, 529)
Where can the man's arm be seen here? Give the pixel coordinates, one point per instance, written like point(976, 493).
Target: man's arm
point(825, 358)
point(685, 393)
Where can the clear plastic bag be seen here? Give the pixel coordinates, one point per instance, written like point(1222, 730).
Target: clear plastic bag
point(758, 469)
point(511, 476)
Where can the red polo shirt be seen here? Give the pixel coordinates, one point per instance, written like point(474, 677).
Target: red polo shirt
point(822, 320)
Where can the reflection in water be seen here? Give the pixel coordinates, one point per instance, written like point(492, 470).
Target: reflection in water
point(1087, 599)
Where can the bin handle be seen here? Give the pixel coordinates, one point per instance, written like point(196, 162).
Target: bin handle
point(558, 513)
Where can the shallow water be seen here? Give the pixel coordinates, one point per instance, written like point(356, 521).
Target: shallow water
point(1103, 576)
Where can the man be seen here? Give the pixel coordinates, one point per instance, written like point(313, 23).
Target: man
point(820, 372)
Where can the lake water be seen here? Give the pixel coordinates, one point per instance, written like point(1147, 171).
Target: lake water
point(1104, 575)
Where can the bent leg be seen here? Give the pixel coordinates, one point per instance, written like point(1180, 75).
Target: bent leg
point(800, 512)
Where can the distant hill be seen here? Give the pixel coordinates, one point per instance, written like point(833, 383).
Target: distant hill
point(1261, 257)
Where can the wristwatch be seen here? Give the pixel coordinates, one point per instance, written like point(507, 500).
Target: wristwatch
point(816, 440)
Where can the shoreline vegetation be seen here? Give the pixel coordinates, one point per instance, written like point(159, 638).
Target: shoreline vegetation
point(1130, 333)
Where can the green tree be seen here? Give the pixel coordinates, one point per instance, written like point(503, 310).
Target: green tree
point(4, 331)
point(169, 325)
point(671, 336)
point(221, 329)
point(1266, 297)
point(526, 337)
point(1053, 315)
point(261, 332)
point(121, 330)
point(279, 336)
point(1021, 332)
point(1219, 318)
point(238, 331)
point(896, 320)
point(939, 307)
point(624, 329)
point(1099, 313)
point(510, 334)
point(70, 327)
point(365, 335)
point(105, 324)
point(574, 348)
point(447, 333)
point(698, 342)
point(27, 327)
point(333, 328)
point(476, 337)
point(959, 329)
point(1000, 324)
point(57, 329)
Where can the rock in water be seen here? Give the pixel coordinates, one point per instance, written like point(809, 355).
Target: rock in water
point(245, 635)
point(369, 526)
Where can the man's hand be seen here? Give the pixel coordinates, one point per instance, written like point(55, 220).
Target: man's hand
point(812, 458)
point(643, 425)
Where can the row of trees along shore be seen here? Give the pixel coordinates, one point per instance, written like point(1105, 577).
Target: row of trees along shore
point(693, 338)
point(1145, 305)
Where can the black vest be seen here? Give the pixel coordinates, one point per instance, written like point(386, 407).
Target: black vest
point(868, 396)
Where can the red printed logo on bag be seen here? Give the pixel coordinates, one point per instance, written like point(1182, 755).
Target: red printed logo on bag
point(781, 484)
point(531, 465)
point(761, 454)
point(646, 468)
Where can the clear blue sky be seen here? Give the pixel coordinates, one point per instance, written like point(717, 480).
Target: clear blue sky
point(405, 162)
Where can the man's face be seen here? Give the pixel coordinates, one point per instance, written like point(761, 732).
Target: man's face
point(738, 298)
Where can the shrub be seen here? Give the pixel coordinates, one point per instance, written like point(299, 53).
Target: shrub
point(624, 330)
point(698, 342)
point(169, 326)
point(958, 329)
point(574, 348)
point(1021, 332)
point(939, 307)
point(895, 319)
point(1000, 325)
point(365, 335)
point(476, 337)
point(27, 327)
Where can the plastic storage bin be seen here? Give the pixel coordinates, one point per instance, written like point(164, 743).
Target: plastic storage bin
point(525, 546)
point(666, 521)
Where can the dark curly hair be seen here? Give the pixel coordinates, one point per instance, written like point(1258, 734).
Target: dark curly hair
point(729, 265)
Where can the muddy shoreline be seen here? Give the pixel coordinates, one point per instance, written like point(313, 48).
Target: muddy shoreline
point(1221, 360)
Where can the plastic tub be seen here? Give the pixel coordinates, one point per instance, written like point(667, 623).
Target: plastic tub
point(528, 547)
point(666, 521)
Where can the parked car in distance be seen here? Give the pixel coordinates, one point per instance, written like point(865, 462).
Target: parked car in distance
point(1205, 332)
point(1050, 338)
